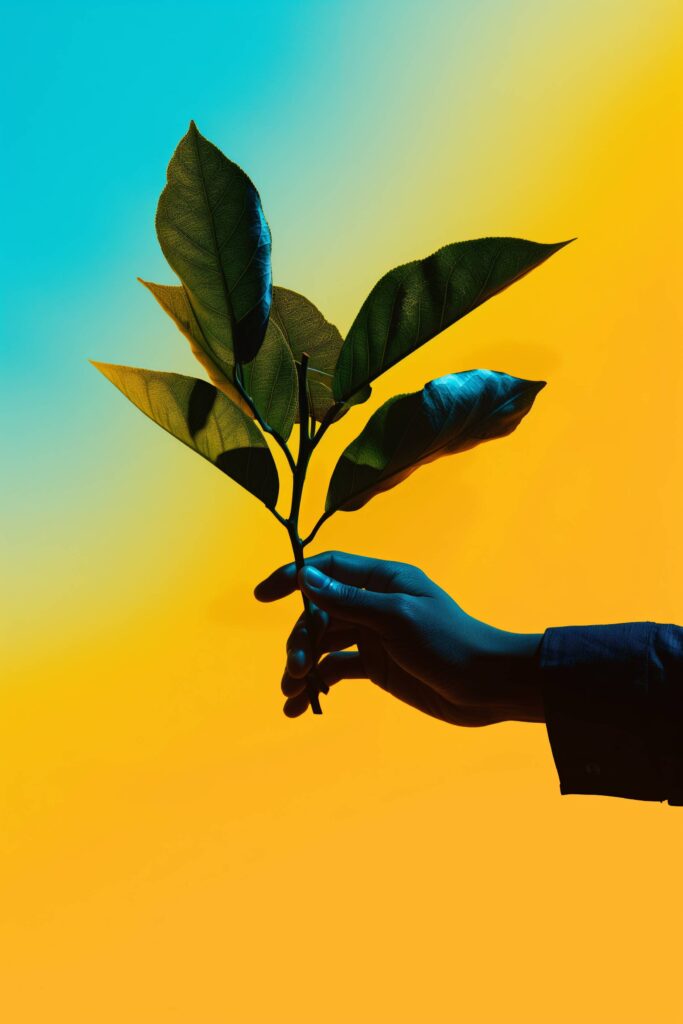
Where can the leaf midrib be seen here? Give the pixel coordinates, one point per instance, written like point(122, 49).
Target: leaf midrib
point(226, 290)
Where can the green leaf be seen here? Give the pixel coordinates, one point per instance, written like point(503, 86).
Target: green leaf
point(271, 381)
point(204, 419)
point(450, 414)
point(213, 233)
point(270, 378)
point(304, 329)
point(173, 300)
point(415, 302)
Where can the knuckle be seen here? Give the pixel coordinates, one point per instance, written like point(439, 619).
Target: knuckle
point(402, 610)
point(412, 575)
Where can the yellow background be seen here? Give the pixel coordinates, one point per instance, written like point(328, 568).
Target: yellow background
point(174, 849)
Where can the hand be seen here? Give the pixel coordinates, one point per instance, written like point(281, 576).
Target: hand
point(410, 638)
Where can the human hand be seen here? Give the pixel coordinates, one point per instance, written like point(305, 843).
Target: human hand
point(410, 638)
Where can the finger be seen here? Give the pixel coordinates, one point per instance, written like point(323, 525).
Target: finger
point(344, 665)
point(301, 656)
point(324, 624)
point(334, 668)
point(305, 638)
point(346, 602)
point(291, 685)
point(297, 670)
point(295, 706)
point(357, 570)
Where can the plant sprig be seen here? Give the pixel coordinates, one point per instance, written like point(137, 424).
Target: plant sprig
point(274, 360)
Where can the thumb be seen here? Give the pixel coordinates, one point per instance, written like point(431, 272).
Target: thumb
point(364, 607)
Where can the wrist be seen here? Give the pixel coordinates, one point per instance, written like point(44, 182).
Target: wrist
point(508, 667)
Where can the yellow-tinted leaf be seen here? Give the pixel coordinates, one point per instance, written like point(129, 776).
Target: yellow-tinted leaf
point(173, 300)
point(204, 419)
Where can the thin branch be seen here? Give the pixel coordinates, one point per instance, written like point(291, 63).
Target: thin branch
point(281, 519)
point(324, 517)
point(328, 420)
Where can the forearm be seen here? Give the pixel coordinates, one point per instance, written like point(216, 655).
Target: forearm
point(613, 696)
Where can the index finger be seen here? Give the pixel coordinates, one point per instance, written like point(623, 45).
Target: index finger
point(356, 570)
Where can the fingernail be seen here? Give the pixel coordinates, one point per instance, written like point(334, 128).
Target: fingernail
point(312, 577)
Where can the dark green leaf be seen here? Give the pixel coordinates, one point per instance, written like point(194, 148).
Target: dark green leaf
point(450, 414)
point(213, 233)
point(204, 419)
point(304, 329)
point(415, 302)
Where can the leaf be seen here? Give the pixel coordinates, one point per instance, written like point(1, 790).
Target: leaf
point(415, 302)
point(213, 233)
point(450, 414)
point(304, 329)
point(204, 419)
point(173, 300)
point(270, 378)
point(271, 381)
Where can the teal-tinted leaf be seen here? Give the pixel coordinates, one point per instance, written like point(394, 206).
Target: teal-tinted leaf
point(415, 302)
point(450, 414)
point(271, 381)
point(304, 329)
point(213, 233)
point(204, 419)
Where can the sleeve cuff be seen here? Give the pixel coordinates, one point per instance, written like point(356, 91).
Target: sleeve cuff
point(603, 711)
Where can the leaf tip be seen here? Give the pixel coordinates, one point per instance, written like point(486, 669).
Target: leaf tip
point(534, 387)
point(102, 367)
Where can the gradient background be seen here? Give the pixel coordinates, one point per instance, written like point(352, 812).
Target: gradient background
point(173, 848)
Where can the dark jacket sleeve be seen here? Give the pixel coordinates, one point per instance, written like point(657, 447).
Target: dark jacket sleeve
point(613, 699)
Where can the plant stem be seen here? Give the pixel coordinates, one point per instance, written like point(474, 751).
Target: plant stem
point(307, 540)
point(307, 442)
point(311, 684)
point(326, 422)
point(303, 456)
